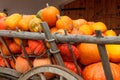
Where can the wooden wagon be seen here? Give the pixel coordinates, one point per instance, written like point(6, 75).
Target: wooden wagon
point(59, 69)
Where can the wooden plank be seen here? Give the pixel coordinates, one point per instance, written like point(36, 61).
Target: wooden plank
point(77, 14)
point(76, 4)
point(107, 11)
point(89, 10)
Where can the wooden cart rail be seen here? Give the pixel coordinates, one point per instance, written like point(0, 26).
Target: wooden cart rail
point(62, 38)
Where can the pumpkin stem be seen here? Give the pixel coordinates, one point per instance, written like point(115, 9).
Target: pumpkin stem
point(58, 16)
point(47, 4)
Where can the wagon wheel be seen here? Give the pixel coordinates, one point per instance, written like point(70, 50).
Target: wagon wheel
point(55, 69)
point(8, 73)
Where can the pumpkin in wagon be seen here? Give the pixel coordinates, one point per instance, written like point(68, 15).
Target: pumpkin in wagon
point(64, 22)
point(95, 72)
point(48, 14)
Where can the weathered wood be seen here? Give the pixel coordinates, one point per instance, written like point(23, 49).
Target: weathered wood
point(55, 69)
point(9, 73)
point(104, 58)
point(22, 35)
point(53, 46)
point(62, 38)
point(107, 11)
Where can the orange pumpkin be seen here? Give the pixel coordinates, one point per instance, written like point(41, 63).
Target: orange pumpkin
point(12, 64)
point(53, 29)
point(40, 48)
point(3, 26)
point(32, 44)
point(89, 53)
point(64, 22)
point(61, 31)
point(90, 23)
point(24, 22)
point(49, 14)
point(22, 65)
point(95, 72)
point(5, 50)
point(86, 29)
point(99, 26)
point(110, 33)
point(15, 48)
point(77, 23)
point(2, 15)
point(2, 62)
point(28, 51)
point(76, 31)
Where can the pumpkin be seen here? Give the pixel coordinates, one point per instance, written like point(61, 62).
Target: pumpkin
point(15, 48)
point(24, 22)
point(61, 31)
point(13, 20)
point(71, 66)
point(89, 53)
point(2, 15)
point(22, 65)
point(78, 22)
point(64, 22)
point(32, 44)
point(90, 23)
point(95, 72)
point(110, 33)
point(99, 26)
point(2, 62)
point(34, 25)
point(28, 51)
point(76, 31)
point(12, 64)
point(3, 26)
point(40, 48)
point(86, 29)
point(43, 61)
point(49, 15)
point(65, 52)
point(5, 50)
point(53, 29)
point(114, 52)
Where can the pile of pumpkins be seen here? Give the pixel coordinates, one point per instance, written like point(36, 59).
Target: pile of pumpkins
point(86, 54)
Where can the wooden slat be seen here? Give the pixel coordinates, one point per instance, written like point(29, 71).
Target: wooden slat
point(107, 11)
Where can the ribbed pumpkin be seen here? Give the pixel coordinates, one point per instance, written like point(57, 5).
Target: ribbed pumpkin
point(24, 22)
point(49, 14)
point(34, 25)
point(64, 22)
point(78, 22)
point(13, 20)
point(95, 72)
point(89, 53)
